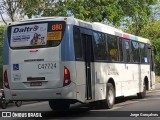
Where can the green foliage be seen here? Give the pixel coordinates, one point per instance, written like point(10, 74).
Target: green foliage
point(110, 11)
point(138, 14)
point(97, 10)
point(157, 56)
point(133, 13)
point(2, 28)
point(32, 7)
point(152, 32)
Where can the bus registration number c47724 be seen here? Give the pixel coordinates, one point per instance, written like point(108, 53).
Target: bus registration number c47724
point(47, 66)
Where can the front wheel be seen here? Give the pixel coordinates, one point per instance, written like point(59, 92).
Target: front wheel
point(142, 94)
point(110, 96)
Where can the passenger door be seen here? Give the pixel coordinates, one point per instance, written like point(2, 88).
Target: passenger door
point(84, 65)
point(88, 58)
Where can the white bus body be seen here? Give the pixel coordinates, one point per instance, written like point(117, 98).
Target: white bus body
point(48, 68)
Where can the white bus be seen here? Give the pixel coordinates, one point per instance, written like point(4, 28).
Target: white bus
point(65, 60)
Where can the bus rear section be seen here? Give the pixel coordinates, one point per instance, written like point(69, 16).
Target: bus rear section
point(33, 69)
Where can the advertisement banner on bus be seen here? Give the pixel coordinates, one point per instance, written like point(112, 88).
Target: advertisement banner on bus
point(29, 35)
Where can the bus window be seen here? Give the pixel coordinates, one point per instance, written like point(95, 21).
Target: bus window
point(77, 43)
point(135, 51)
point(113, 47)
point(99, 46)
point(121, 49)
point(127, 49)
point(143, 49)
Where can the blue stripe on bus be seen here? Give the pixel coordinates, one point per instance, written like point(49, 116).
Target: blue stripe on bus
point(5, 50)
point(67, 45)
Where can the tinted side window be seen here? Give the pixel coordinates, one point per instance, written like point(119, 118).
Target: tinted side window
point(127, 50)
point(121, 49)
point(143, 49)
point(113, 48)
point(135, 51)
point(77, 43)
point(99, 46)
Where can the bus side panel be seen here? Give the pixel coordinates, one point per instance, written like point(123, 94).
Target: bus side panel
point(101, 76)
point(153, 79)
point(71, 67)
point(68, 57)
point(68, 60)
point(105, 71)
point(81, 81)
point(145, 72)
point(130, 85)
point(124, 86)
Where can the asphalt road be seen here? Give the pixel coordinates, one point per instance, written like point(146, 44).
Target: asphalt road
point(135, 106)
point(124, 109)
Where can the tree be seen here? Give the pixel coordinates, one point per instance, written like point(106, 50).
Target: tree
point(34, 7)
point(137, 14)
point(97, 10)
point(134, 12)
point(9, 7)
point(17, 9)
point(2, 28)
point(108, 11)
point(152, 32)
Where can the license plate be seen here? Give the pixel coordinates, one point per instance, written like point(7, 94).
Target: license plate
point(45, 66)
point(36, 84)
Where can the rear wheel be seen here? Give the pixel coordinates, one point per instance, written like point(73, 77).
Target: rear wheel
point(110, 96)
point(59, 106)
point(3, 102)
point(142, 94)
point(18, 103)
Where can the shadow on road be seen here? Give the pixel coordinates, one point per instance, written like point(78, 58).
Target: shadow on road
point(83, 110)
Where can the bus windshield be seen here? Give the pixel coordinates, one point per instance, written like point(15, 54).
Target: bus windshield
point(36, 35)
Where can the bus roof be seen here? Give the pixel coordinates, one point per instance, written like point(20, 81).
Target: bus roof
point(95, 26)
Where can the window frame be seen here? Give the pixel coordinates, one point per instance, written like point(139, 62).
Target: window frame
point(80, 39)
point(132, 52)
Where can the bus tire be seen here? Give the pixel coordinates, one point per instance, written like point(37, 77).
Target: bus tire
point(110, 96)
point(3, 102)
point(59, 106)
point(142, 95)
point(18, 103)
